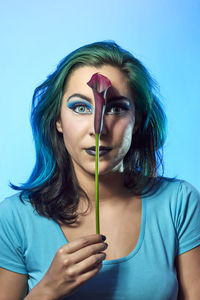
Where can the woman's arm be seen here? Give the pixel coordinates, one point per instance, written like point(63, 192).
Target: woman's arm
point(13, 286)
point(188, 271)
point(73, 265)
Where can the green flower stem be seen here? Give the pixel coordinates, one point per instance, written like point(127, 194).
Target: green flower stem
point(97, 182)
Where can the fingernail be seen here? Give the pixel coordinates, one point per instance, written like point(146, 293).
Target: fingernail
point(103, 237)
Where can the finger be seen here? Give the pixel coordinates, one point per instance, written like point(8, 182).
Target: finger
point(88, 275)
point(82, 242)
point(88, 251)
point(86, 265)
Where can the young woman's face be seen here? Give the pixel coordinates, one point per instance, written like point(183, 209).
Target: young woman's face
point(77, 120)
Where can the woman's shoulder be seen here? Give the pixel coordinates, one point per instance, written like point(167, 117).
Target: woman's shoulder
point(181, 205)
point(13, 200)
point(14, 206)
point(175, 194)
point(166, 186)
point(182, 187)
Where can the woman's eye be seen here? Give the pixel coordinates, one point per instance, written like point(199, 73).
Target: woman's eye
point(80, 108)
point(116, 109)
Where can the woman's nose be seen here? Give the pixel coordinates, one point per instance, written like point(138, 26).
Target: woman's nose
point(104, 127)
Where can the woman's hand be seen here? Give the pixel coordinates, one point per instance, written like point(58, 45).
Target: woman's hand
point(73, 265)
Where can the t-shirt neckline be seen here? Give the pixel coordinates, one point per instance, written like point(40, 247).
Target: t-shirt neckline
point(138, 244)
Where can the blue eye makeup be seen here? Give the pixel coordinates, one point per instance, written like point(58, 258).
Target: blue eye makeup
point(80, 107)
point(117, 108)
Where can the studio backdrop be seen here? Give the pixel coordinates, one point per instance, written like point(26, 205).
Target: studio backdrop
point(36, 35)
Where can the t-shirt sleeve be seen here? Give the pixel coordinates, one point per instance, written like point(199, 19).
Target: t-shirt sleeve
point(11, 239)
point(187, 217)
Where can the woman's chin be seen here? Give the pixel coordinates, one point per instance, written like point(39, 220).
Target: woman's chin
point(106, 169)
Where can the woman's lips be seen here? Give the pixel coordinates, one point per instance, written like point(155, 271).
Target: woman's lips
point(102, 151)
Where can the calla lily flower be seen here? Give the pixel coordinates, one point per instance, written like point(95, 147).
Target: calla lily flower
point(99, 85)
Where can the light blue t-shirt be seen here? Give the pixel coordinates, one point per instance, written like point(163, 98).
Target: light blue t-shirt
point(170, 226)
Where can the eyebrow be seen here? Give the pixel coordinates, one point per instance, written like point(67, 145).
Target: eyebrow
point(89, 99)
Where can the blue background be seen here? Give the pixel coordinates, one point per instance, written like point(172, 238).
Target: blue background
point(36, 35)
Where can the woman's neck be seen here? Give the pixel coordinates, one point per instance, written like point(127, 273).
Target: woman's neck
point(111, 186)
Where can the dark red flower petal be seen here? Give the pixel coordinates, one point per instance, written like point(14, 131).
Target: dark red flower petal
point(99, 85)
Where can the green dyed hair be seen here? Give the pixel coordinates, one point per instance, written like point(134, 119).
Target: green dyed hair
point(52, 187)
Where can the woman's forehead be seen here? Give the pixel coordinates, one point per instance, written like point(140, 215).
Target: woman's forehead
point(78, 79)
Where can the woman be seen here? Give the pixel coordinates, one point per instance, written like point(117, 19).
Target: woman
point(48, 246)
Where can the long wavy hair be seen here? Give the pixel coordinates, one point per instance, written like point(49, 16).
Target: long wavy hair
point(52, 188)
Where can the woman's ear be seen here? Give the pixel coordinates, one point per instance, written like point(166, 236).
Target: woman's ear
point(59, 126)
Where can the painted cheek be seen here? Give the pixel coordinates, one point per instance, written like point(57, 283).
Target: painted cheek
point(127, 135)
